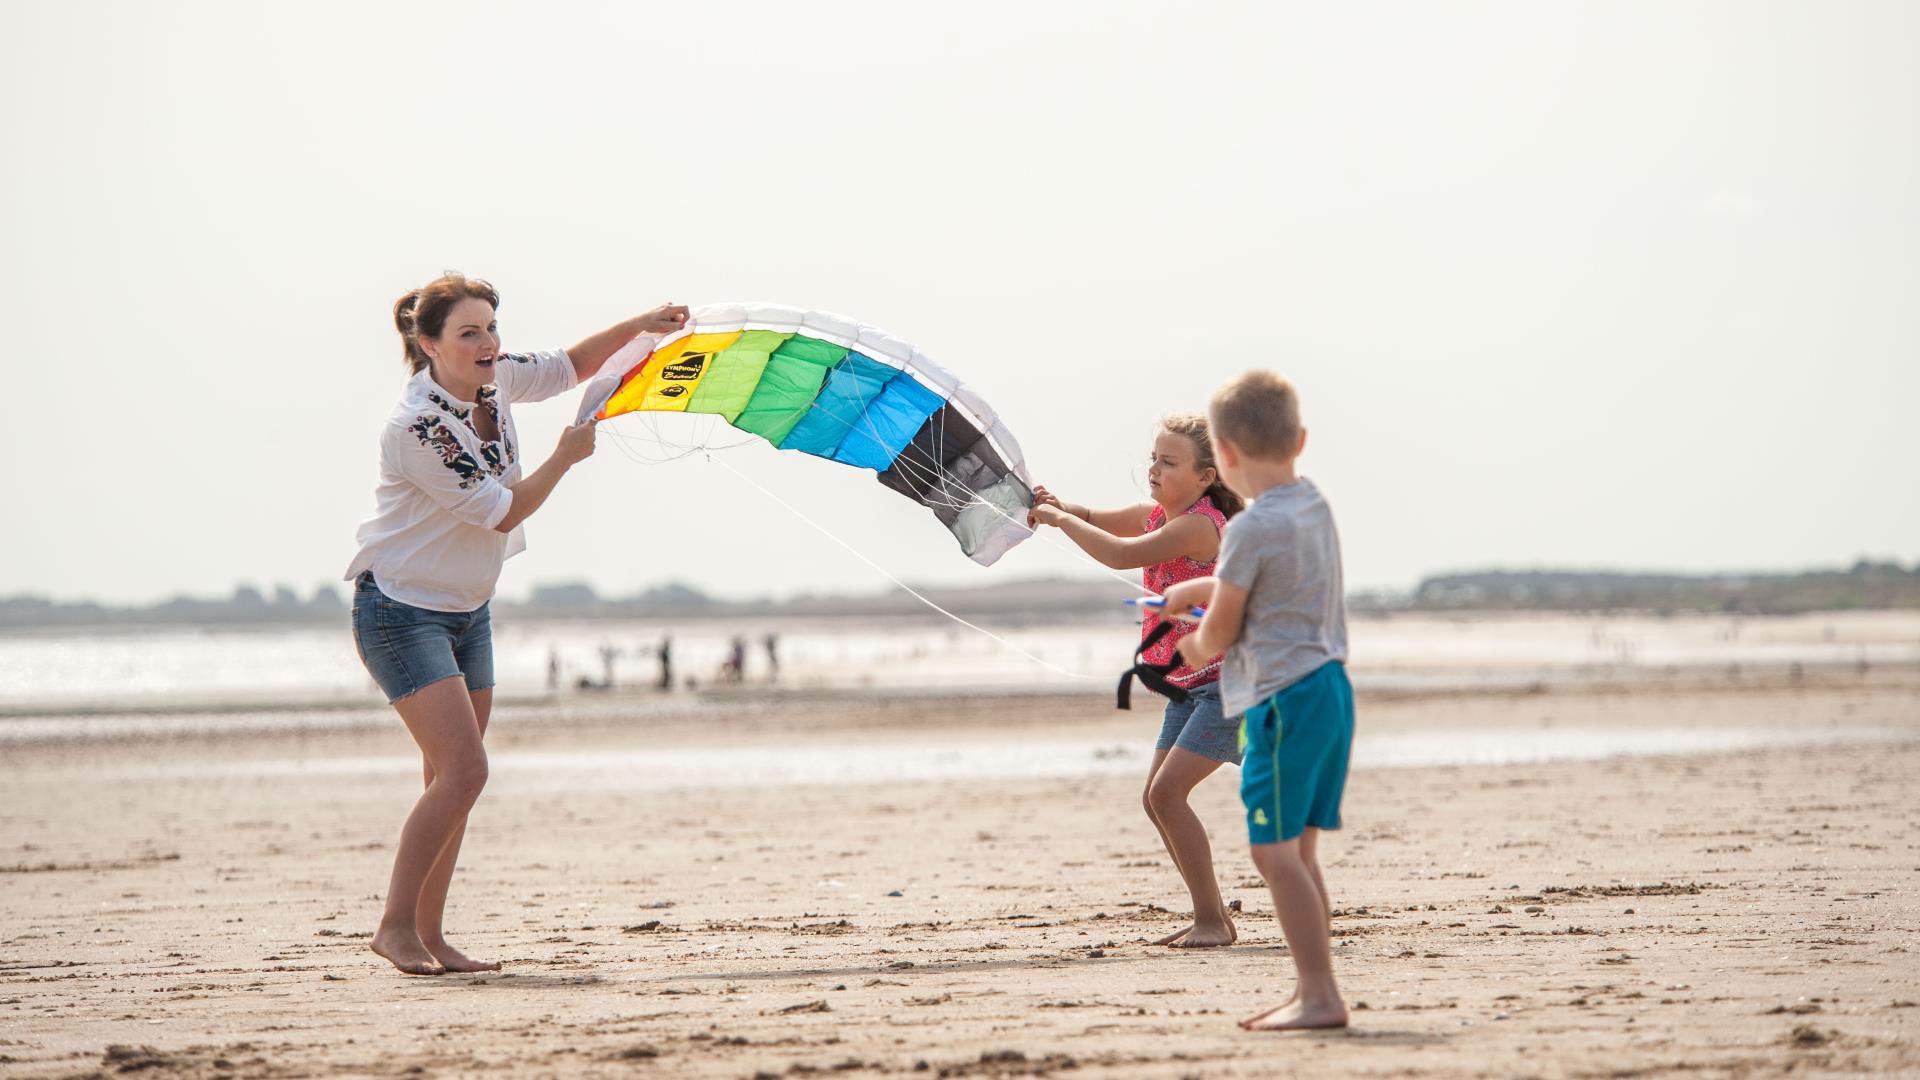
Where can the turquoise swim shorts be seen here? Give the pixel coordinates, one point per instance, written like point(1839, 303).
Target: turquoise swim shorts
point(1296, 744)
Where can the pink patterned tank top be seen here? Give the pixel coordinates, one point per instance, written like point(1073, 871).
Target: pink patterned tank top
point(1161, 576)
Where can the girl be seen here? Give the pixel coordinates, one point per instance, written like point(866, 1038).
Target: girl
point(1174, 537)
point(450, 502)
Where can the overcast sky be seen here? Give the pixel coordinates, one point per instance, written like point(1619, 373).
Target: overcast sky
point(1609, 284)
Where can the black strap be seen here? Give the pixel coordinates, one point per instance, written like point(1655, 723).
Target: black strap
point(1152, 676)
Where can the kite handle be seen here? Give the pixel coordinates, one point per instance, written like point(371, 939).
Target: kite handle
point(1159, 603)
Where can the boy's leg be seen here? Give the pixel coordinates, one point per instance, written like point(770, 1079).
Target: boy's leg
point(1187, 841)
point(1303, 921)
point(1310, 854)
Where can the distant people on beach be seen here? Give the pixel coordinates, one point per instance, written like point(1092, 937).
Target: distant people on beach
point(733, 670)
point(664, 653)
point(772, 644)
point(450, 503)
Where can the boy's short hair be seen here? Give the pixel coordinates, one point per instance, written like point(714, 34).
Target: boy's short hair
point(1260, 412)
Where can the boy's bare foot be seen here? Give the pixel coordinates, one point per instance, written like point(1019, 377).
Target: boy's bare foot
point(1296, 1016)
point(454, 960)
point(403, 950)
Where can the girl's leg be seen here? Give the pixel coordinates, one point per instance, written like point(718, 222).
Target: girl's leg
point(1146, 802)
point(1187, 841)
point(1316, 1001)
point(433, 895)
point(440, 716)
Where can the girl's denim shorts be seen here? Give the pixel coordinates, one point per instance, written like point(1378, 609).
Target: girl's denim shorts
point(1199, 726)
point(406, 648)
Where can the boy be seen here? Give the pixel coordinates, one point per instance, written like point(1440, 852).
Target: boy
point(1275, 607)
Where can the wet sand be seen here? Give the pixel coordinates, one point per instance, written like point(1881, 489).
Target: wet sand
point(200, 906)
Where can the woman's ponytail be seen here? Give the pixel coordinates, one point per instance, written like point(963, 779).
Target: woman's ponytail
point(409, 332)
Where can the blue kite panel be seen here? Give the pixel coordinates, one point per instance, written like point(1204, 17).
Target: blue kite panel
point(850, 388)
point(891, 422)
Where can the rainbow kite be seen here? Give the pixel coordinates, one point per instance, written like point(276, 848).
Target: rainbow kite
point(834, 388)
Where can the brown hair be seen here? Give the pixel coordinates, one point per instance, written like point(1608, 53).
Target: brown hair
point(1193, 427)
point(423, 311)
point(1260, 412)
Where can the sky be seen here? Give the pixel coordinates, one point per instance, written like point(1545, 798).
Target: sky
point(1573, 285)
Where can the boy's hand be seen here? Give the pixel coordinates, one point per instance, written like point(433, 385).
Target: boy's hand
point(1188, 595)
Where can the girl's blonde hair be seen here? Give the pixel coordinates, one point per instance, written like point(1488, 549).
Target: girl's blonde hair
point(1194, 428)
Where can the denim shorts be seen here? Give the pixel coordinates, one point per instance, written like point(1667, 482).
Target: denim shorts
point(1198, 726)
point(406, 648)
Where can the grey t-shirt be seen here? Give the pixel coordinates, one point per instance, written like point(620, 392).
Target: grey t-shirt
point(1285, 551)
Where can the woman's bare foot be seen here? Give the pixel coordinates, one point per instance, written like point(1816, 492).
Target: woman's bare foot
point(454, 960)
point(1296, 1016)
point(1175, 936)
point(402, 949)
point(1208, 935)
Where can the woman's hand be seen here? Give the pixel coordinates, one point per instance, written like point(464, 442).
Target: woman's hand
point(576, 443)
point(665, 319)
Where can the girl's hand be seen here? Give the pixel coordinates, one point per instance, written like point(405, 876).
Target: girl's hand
point(664, 319)
point(576, 443)
point(1046, 514)
point(1186, 650)
point(1042, 497)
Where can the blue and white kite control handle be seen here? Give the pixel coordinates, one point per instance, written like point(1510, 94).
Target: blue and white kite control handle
point(1159, 603)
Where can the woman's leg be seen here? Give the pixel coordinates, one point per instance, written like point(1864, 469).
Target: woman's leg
point(433, 895)
point(440, 717)
point(1187, 841)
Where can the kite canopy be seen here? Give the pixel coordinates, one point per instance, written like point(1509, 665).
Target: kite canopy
point(837, 389)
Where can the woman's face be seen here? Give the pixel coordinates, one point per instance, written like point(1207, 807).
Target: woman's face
point(1173, 478)
point(467, 346)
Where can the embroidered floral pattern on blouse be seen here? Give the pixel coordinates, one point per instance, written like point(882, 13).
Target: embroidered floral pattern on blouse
point(497, 455)
point(435, 436)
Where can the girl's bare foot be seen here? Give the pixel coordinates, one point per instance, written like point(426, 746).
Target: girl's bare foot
point(1296, 1016)
point(402, 949)
point(454, 960)
point(1207, 936)
point(1175, 936)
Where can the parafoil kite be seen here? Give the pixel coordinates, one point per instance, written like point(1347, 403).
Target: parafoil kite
point(828, 386)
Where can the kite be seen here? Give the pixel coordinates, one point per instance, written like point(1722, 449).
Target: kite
point(825, 385)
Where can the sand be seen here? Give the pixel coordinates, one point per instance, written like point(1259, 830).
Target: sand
point(201, 906)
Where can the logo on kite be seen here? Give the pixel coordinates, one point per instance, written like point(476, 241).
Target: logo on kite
point(685, 369)
point(672, 391)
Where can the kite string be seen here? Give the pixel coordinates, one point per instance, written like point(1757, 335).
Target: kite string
point(910, 590)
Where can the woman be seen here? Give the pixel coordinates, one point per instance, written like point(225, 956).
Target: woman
point(451, 500)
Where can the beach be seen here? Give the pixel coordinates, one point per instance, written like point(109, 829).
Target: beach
point(1533, 881)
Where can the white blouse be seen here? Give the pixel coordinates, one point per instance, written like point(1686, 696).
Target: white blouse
point(431, 542)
